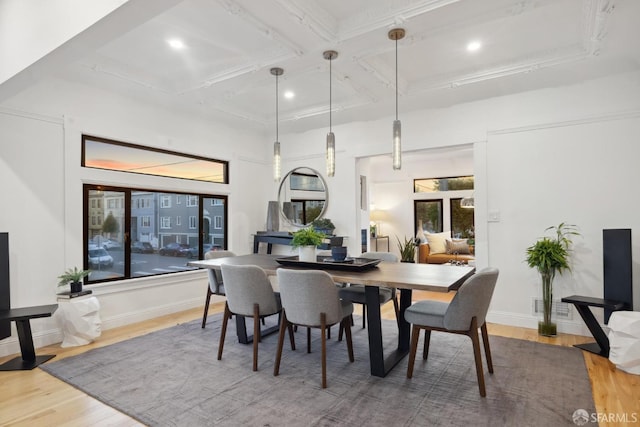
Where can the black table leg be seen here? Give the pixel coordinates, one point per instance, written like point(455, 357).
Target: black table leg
point(241, 330)
point(601, 346)
point(29, 360)
point(381, 366)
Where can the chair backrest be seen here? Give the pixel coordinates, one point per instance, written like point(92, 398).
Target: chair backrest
point(307, 293)
point(472, 299)
point(384, 256)
point(217, 273)
point(246, 285)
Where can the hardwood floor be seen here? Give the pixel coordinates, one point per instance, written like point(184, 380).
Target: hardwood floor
point(34, 398)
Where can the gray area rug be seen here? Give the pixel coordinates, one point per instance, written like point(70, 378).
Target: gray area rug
point(172, 378)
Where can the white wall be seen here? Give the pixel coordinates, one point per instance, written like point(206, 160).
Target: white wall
point(568, 151)
point(42, 182)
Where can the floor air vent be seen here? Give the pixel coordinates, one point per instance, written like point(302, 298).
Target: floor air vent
point(559, 309)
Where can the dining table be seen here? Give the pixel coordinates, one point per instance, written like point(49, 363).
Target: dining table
point(405, 277)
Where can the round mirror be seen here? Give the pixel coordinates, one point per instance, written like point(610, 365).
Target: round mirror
point(302, 196)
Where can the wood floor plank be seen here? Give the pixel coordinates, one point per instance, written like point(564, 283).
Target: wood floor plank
point(35, 398)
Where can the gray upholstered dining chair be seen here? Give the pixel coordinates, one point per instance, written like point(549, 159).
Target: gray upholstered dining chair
point(355, 293)
point(216, 286)
point(463, 315)
point(310, 298)
point(249, 293)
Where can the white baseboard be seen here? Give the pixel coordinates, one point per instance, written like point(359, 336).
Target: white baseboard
point(11, 345)
point(515, 319)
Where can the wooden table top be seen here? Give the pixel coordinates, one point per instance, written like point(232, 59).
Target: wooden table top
point(424, 277)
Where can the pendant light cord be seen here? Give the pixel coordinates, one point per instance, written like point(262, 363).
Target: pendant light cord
point(277, 136)
point(396, 79)
point(330, 61)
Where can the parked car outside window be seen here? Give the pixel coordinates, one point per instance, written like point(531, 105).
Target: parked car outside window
point(99, 257)
point(142, 248)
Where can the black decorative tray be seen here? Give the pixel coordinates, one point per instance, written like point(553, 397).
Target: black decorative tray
point(328, 263)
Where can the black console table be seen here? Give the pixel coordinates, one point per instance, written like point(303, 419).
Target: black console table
point(284, 238)
point(21, 316)
point(582, 304)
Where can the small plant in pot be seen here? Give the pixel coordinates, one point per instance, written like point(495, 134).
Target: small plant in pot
point(73, 277)
point(407, 249)
point(306, 240)
point(550, 256)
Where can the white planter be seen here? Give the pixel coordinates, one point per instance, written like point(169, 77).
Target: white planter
point(307, 254)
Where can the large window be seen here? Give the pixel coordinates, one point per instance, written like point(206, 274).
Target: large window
point(428, 215)
point(441, 210)
point(462, 225)
point(139, 233)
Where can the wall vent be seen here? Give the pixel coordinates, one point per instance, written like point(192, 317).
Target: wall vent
point(559, 309)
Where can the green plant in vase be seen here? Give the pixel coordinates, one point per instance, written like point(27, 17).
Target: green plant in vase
point(550, 256)
point(306, 240)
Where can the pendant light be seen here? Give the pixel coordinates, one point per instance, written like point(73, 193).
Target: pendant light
point(331, 139)
point(277, 167)
point(396, 34)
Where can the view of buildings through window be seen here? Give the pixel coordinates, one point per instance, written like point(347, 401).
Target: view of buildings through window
point(134, 233)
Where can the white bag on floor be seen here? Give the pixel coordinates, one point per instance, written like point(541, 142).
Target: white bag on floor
point(624, 340)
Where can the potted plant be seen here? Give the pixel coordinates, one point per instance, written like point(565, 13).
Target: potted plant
point(306, 240)
point(74, 278)
point(550, 256)
point(407, 249)
point(323, 225)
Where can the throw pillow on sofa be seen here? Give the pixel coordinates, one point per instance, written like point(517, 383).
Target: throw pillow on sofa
point(458, 246)
point(438, 242)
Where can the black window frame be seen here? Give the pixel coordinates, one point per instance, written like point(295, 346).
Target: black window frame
point(86, 188)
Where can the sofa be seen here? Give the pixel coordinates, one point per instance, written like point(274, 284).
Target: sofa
point(426, 257)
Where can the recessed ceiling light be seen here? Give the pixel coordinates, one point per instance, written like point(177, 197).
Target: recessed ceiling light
point(176, 43)
point(474, 46)
point(288, 94)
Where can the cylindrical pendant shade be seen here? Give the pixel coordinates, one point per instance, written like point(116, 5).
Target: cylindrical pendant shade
point(397, 149)
point(277, 168)
point(331, 154)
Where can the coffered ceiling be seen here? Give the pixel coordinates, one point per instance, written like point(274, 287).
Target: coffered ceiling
point(222, 72)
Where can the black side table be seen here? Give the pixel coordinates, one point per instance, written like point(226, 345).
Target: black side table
point(21, 316)
point(582, 304)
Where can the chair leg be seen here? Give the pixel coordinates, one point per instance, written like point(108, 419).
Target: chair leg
point(206, 306)
point(342, 327)
point(415, 335)
point(223, 331)
point(308, 340)
point(284, 323)
point(323, 323)
point(345, 324)
point(256, 334)
point(487, 349)
point(364, 316)
point(473, 333)
point(427, 341)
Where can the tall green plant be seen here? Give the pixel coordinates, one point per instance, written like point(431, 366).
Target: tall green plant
point(550, 256)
